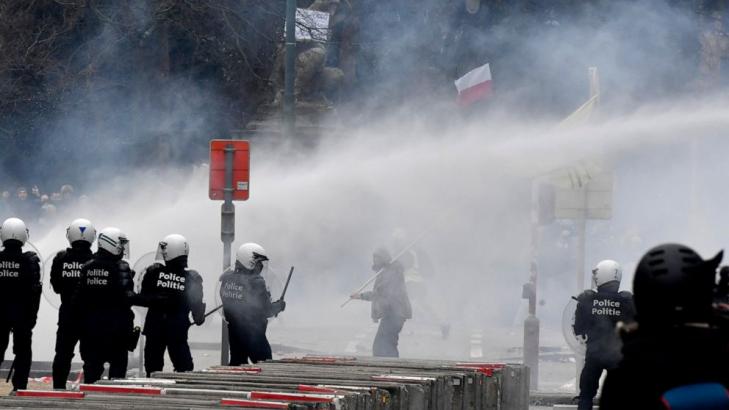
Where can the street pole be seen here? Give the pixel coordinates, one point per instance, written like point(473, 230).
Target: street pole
point(227, 235)
point(289, 107)
point(582, 224)
point(581, 239)
point(582, 220)
point(531, 323)
point(581, 245)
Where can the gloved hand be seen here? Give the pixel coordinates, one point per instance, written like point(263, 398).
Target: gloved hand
point(278, 307)
point(199, 316)
point(355, 296)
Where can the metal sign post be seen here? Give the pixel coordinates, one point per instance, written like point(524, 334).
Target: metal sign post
point(529, 292)
point(227, 235)
point(575, 193)
point(229, 176)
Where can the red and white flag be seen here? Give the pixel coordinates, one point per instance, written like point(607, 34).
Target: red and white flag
point(474, 86)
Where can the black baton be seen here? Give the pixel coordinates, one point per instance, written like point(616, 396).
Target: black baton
point(209, 313)
point(10, 372)
point(213, 311)
point(291, 272)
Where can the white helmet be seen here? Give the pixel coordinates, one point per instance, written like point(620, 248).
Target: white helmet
point(81, 230)
point(249, 254)
point(171, 247)
point(14, 228)
point(114, 241)
point(606, 271)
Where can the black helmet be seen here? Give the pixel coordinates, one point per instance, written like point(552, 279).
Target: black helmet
point(672, 285)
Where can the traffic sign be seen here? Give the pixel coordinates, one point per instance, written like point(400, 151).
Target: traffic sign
point(241, 169)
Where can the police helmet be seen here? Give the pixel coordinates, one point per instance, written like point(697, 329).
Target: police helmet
point(606, 271)
point(14, 228)
point(171, 247)
point(249, 254)
point(81, 230)
point(114, 241)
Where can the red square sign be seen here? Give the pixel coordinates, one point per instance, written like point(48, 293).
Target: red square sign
point(241, 169)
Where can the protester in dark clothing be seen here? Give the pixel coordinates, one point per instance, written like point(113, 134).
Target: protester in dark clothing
point(676, 342)
point(596, 317)
point(171, 291)
point(35, 195)
point(390, 303)
point(22, 194)
point(65, 277)
point(104, 299)
point(20, 291)
point(247, 306)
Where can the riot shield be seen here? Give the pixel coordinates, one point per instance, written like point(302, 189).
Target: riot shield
point(576, 343)
point(53, 298)
point(140, 267)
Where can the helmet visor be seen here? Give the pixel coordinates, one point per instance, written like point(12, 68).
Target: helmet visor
point(124, 244)
point(264, 268)
point(260, 262)
point(161, 250)
point(257, 257)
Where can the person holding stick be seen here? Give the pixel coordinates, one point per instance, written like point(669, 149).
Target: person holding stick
point(247, 306)
point(390, 303)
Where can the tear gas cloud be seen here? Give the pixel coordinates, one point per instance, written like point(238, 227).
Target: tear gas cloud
point(464, 181)
point(327, 212)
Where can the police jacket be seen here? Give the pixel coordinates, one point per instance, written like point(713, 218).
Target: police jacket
point(171, 292)
point(389, 296)
point(20, 285)
point(66, 269)
point(245, 297)
point(106, 289)
point(657, 360)
point(598, 313)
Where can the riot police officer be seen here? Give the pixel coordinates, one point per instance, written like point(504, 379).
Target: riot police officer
point(676, 345)
point(171, 291)
point(390, 303)
point(104, 299)
point(247, 306)
point(597, 314)
point(20, 291)
point(65, 277)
